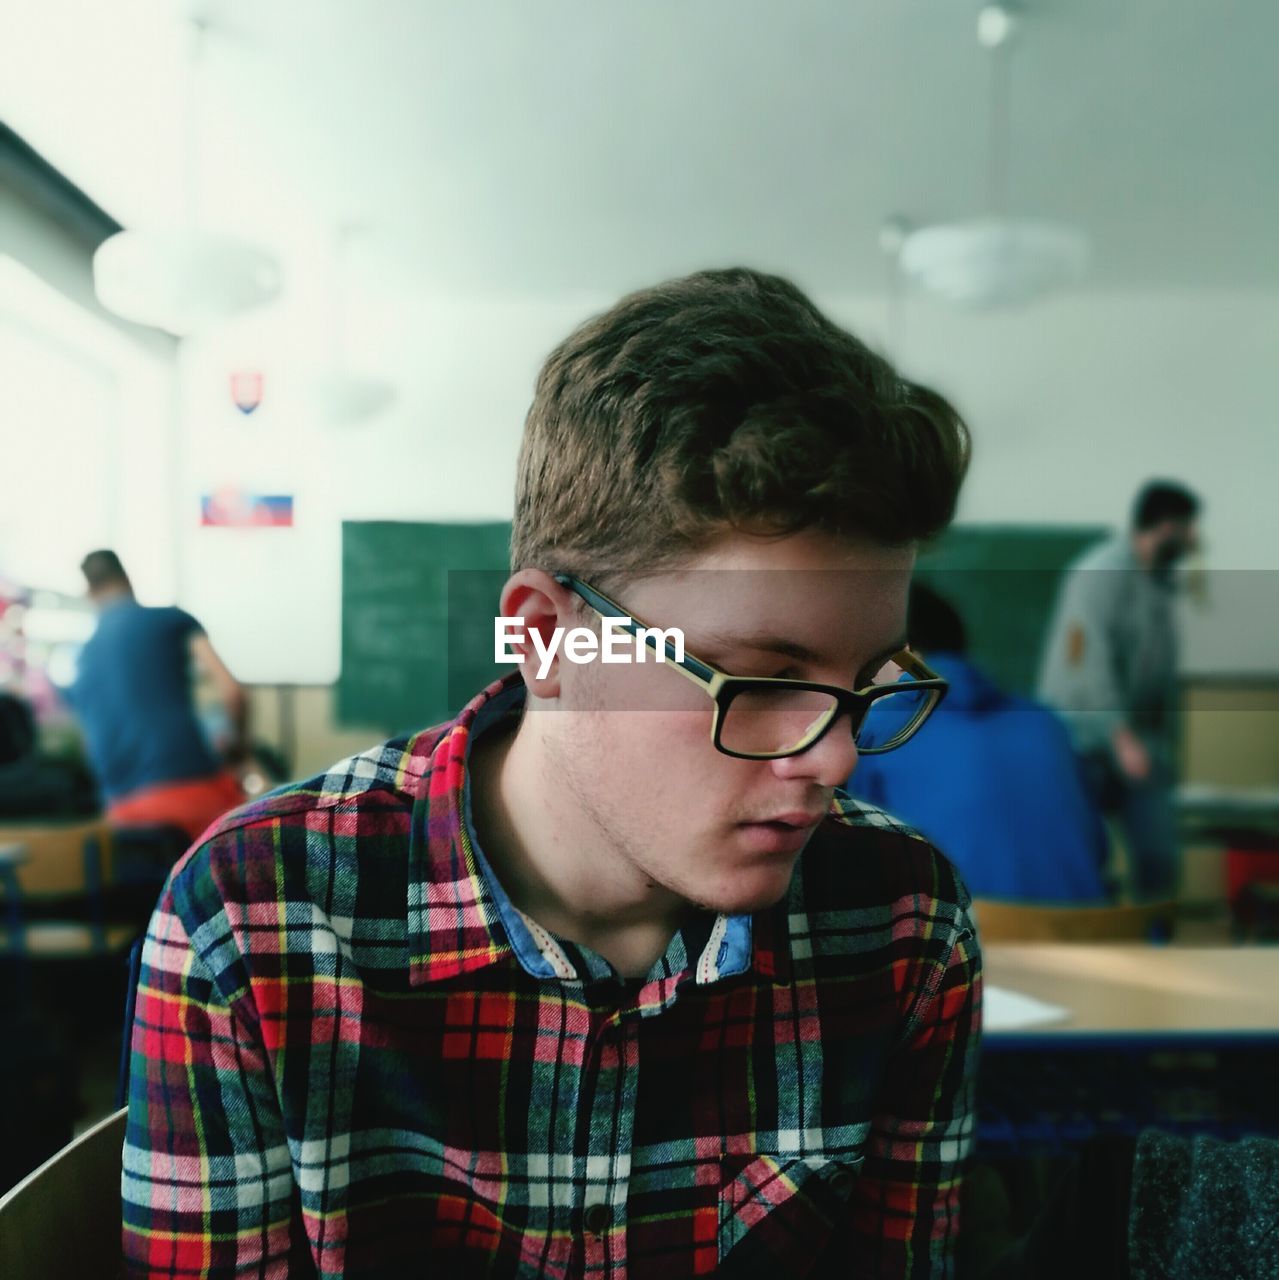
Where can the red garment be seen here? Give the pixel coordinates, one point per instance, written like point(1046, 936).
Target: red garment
point(191, 805)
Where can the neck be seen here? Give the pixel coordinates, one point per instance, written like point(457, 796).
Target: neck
point(111, 594)
point(555, 862)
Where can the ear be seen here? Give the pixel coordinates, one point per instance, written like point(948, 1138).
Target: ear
point(541, 605)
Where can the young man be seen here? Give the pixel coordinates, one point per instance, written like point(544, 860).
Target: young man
point(603, 978)
point(1110, 669)
point(134, 701)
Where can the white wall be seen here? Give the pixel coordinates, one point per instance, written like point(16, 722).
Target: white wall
point(1076, 401)
point(86, 418)
point(445, 451)
point(1072, 402)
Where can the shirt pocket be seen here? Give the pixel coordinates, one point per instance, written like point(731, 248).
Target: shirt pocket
point(777, 1212)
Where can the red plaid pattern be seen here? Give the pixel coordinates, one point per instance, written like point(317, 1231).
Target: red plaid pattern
point(345, 1063)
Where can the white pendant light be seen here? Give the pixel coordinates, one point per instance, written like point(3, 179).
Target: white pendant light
point(180, 279)
point(184, 279)
point(995, 259)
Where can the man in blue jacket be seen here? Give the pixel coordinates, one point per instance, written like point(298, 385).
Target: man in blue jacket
point(991, 779)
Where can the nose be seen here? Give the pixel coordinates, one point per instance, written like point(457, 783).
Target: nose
point(828, 762)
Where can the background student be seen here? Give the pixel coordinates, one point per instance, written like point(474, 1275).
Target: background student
point(991, 779)
point(134, 699)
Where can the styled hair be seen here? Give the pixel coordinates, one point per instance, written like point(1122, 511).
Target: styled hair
point(724, 401)
point(103, 569)
point(933, 623)
point(1161, 500)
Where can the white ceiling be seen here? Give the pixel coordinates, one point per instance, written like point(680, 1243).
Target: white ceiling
point(553, 146)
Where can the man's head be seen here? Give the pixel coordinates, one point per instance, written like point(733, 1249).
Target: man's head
point(1163, 524)
point(719, 457)
point(722, 402)
point(105, 576)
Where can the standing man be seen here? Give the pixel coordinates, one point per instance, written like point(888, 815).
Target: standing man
point(1110, 668)
point(133, 698)
point(605, 977)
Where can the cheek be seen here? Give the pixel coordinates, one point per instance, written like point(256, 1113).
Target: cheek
point(648, 686)
point(663, 762)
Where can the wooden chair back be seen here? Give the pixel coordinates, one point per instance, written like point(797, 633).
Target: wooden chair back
point(1033, 922)
point(62, 1222)
point(61, 859)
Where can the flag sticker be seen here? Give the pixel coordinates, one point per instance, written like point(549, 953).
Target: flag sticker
point(235, 510)
point(246, 391)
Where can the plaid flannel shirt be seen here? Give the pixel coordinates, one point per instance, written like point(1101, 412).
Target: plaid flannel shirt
point(353, 1056)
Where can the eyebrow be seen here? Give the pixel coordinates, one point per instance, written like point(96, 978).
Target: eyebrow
point(717, 643)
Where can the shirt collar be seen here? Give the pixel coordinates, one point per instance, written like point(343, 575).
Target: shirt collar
point(460, 919)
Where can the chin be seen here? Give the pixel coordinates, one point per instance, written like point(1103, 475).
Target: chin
point(749, 892)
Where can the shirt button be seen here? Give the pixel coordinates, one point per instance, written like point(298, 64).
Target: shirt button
point(841, 1182)
point(596, 1218)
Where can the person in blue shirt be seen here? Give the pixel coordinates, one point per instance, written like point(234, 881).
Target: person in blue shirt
point(133, 698)
point(991, 779)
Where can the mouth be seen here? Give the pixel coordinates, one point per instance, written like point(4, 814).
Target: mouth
point(782, 833)
point(796, 819)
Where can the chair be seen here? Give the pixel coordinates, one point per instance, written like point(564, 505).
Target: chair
point(64, 1219)
point(999, 921)
point(52, 887)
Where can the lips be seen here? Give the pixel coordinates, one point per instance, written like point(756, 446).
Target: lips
point(784, 835)
point(795, 818)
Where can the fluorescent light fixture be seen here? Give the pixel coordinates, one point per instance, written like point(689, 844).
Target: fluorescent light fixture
point(994, 261)
point(182, 280)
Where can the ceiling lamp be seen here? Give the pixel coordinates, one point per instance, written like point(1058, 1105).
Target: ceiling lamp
point(991, 261)
point(995, 259)
point(183, 279)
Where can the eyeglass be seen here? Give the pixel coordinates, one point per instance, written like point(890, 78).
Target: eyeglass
point(770, 717)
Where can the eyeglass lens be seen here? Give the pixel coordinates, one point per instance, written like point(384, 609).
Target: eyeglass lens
point(777, 719)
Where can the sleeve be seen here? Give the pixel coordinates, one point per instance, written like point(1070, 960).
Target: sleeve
point(1084, 680)
point(207, 1184)
point(905, 1210)
point(184, 624)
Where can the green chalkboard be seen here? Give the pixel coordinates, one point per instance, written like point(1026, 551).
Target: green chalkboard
point(418, 603)
point(1003, 580)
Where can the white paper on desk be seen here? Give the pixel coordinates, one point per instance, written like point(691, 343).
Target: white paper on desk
point(1004, 1010)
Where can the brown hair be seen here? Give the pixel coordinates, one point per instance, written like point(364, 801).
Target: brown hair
point(724, 400)
point(103, 569)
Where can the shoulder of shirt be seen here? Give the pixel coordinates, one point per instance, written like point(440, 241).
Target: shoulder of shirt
point(1111, 553)
point(866, 857)
point(386, 778)
point(846, 811)
point(390, 772)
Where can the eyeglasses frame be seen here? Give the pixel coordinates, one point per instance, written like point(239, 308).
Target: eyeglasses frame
point(723, 688)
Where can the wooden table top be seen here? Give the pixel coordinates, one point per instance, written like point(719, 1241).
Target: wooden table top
point(1136, 988)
